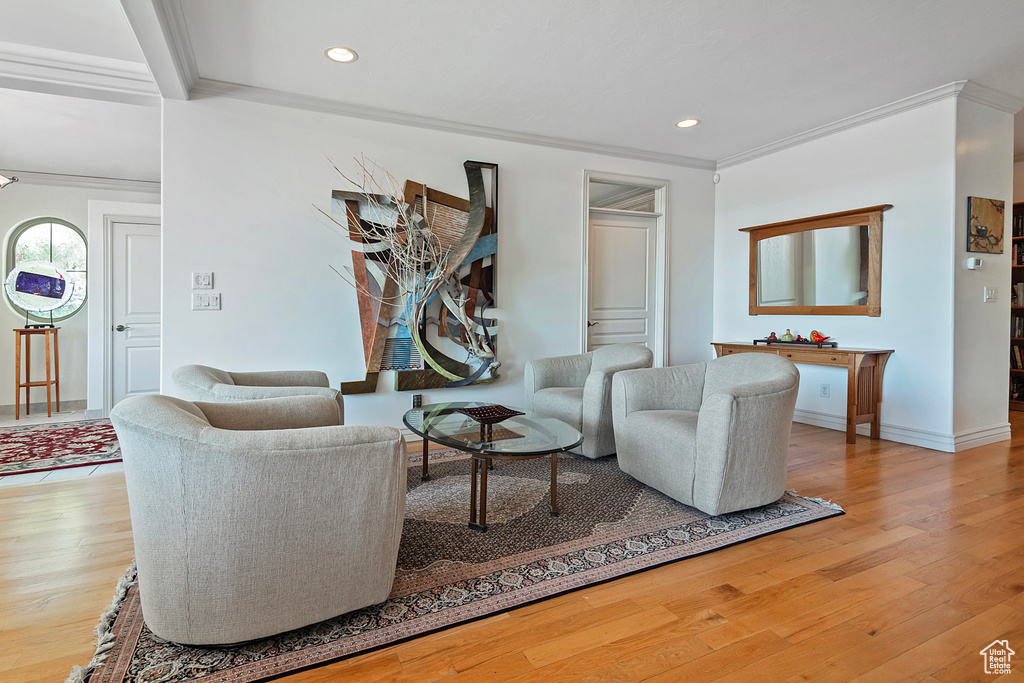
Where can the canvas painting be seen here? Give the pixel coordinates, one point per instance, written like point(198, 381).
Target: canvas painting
point(985, 225)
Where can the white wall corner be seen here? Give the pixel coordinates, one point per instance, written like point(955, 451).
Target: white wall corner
point(990, 97)
point(159, 26)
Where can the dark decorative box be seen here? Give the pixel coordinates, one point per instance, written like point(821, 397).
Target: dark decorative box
point(806, 342)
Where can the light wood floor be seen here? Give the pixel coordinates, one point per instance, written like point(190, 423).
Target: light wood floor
point(923, 572)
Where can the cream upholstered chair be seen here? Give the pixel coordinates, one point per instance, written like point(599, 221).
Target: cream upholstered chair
point(713, 435)
point(577, 390)
point(203, 383)
point(257, 517)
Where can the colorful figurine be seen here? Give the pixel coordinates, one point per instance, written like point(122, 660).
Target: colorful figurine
point(818, 337)
point(772, 337)
point(787, 337)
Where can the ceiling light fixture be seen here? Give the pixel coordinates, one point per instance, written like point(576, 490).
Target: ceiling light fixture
point(345, 55)
point(687, 123)
point(5, 181)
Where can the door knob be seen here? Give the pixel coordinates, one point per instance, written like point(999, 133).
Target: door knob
point(120, 328)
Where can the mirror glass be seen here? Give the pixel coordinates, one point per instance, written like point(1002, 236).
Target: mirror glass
point(621, 197)
point(823, 267)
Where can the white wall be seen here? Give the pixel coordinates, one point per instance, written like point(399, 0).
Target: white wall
point(20, 202)
point(239, 182)
point(906, 160)
point(984, 168)
point(1018, 182)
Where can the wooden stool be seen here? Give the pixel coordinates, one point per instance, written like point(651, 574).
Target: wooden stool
point(54, 381)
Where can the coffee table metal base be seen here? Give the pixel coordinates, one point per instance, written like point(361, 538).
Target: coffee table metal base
point(480, 465)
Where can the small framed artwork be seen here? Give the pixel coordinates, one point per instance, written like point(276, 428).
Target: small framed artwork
point(985, 225)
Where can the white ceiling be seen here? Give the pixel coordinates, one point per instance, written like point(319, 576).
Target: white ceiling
point(603, 73)
point(612, 72)
point(47, 133)
point(88, 27)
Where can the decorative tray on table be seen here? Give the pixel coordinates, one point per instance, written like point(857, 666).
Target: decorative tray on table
point(803, 342)
point(490, 414)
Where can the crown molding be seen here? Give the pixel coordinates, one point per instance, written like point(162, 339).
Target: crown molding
point(968, 90)
point(207, 87)
point(899, 106)
point(57, 72)
point(85, 181)
point(159, 26)
point(990, 97)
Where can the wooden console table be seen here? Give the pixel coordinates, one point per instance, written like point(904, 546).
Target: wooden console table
point(864, 375)
point(52, 379)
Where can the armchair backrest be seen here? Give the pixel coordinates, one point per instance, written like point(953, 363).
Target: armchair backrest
point(746, 368)
point(635, 355)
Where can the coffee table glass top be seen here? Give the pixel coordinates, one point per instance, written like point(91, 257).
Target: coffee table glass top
point(520, 435)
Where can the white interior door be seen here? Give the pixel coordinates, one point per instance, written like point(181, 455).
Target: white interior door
point(135, 309)
point(620, 279)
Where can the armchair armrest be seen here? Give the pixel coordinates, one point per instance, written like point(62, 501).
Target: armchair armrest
point(287, 412)
point(560, 371)
point(281, 378)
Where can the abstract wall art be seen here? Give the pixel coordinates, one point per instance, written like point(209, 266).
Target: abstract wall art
point(423, 267)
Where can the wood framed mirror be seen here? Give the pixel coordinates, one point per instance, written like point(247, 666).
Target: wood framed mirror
point(820, 265)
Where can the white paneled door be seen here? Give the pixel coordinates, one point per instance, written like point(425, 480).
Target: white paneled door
point(135, 309)
point(620, 279)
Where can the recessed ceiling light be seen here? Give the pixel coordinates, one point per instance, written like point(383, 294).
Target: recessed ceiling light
point(341, 54)
point(688, 123)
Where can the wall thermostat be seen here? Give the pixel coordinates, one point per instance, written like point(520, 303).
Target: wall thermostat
point(974, 263)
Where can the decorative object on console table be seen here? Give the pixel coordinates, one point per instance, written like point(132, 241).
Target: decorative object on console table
point(1017, 308)
point(422, 256)
point(865, 368)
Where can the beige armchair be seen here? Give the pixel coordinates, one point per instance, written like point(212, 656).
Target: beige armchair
point(713, 435)
point(257, 517)
point(577, 390)
point(203, 383)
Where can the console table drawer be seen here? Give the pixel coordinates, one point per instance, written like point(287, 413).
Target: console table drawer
point(814, 357)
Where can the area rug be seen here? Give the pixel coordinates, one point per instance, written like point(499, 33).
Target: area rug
point(609, 525)
point(55, 446)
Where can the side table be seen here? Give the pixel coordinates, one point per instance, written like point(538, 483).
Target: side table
point(52, 379)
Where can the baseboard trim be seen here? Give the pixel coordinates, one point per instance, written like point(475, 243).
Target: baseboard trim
point(39, 408)
point(936, 441)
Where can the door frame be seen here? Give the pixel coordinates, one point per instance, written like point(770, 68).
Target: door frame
point(659, 335)
point(102, 216)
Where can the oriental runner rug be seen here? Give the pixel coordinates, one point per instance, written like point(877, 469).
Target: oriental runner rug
point(55, 446)
point(609, 525)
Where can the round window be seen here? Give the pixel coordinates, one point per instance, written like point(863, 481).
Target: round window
point(56, 241)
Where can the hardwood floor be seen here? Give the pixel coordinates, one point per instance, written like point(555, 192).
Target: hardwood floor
point(923, 571)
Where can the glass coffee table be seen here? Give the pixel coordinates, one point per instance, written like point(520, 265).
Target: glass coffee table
point(518, 437)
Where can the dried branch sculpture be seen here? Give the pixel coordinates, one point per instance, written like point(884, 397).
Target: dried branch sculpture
point(419, 255)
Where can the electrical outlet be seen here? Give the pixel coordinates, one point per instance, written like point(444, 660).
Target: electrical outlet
point(417, 400)
point(826, 391)
point(202, 280)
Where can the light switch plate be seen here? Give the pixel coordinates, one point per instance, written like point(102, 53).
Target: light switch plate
point(202, 280)
point(205, 302)
point(990, 295)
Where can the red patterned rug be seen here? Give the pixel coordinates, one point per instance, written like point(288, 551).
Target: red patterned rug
point(37, 448)
point(609, 525)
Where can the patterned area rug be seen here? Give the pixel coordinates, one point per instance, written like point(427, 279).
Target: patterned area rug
point(37, 448)
point(608, 526)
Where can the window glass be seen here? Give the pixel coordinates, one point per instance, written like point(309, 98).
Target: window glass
point(51, 239)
